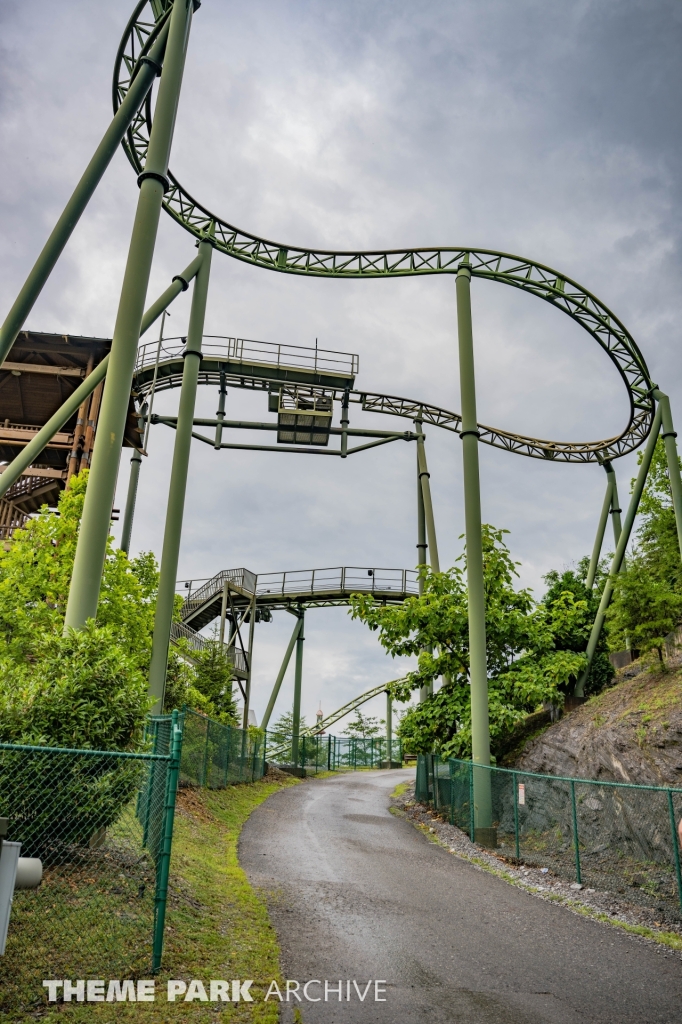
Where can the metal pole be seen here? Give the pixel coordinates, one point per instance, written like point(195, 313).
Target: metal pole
point(389, 730)
point(668, 434)
point(94, 529)
point(478, 675)
point(178, 483)
point(136, 458)
point(220, 414)
point(344, 422)
point(163, 866)
point(282, 672)
point(620, 551)
point(424, 479)
point(247, 688)
point(615, 504)
point(223, 615)
point(82, 194)
point(601, 529)
point(296, 725)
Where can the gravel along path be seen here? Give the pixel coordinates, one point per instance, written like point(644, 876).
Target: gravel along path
point(356, 895)
point(596, 903)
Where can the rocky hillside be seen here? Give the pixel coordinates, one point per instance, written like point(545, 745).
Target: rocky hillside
point(630, 733)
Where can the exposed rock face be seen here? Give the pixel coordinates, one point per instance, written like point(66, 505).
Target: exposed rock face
point(630, 733)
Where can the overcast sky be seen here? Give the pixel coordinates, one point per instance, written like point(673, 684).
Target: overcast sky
point(543, 128)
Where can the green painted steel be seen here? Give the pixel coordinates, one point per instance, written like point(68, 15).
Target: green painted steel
point(298, 682)
point(518, 272)
point(249, 665)
point(478, 672)
point(668, 434)
point(178, 482)
point(161, 895)
point(282, 672)
point(94, 530)
point(601, 530)
point(424, 482)
point(615, 503)
point(138, 88)
point(620, 551)
point(389, 729)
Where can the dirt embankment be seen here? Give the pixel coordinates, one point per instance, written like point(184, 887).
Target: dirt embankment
point(630, 733)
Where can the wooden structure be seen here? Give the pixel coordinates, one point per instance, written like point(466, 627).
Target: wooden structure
point(40, 373)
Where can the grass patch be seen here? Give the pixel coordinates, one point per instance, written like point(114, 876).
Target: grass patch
point(401, 788)
point(217, 926)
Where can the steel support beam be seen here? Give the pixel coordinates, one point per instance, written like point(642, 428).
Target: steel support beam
point(82, 194)
point(178, 482)
point(282, 672)
point(601, 530)
point(619, 555)
point(249, 665)
point(94, 529)
point(298, 678)
point(668, 434)
point(615, 503)
point(478, 673)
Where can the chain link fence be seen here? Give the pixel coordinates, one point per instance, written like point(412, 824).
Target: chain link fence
point(606, 835)
point(101, 822)
point(334, 753)
point(216, 755)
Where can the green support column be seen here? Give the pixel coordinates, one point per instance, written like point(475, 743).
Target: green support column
point(615, 504)
point(478, 672)
point(389, 730)
point(220, 414)
point(95, 524)
point(223, 614)
point(82, 194)
point(426, 525)
point(282, 672)
point(668, 434)
point(296, 724)
point(601, 530)
point(178, 482)
point(620, 551)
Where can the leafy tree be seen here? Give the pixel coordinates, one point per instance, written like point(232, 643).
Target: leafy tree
point(364, 726)
point(528, 660)
point(283, 729)
point(647, 600)
point(88, 688)
point(576, 637)
point(202, 680)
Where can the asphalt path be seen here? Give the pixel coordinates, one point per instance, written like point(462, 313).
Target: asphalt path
point(357, 894)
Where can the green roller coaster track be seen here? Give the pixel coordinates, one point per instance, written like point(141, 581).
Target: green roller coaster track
point(155, 44)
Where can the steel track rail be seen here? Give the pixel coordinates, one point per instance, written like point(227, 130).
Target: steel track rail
point(517, 272)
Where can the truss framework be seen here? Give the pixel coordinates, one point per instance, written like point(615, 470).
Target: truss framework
point(517, 272)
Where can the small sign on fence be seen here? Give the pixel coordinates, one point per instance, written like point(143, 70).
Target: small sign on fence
point(522, 793)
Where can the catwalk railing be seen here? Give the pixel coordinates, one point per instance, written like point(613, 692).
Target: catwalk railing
point(607, 835)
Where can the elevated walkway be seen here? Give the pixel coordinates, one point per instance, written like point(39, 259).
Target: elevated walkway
point(244, 358)
point(308, 588)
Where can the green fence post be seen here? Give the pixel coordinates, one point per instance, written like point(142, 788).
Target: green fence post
point(452, 794)
point(163, 863)
point(676, 848)
point(434, 766)
point(576, 840)
point(516, 815)
point(471, 802)
point(204, 770)
point(88, 564)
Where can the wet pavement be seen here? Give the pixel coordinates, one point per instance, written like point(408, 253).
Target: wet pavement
point(357, 894)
